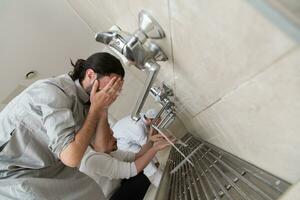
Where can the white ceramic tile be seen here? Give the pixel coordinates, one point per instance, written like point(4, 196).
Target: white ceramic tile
point(209, 126)
point(101, 15)
point(292, 193)
point(219, 45)
point(259, 121)
point(205, 127)
point(177, 128)
point(125, 103)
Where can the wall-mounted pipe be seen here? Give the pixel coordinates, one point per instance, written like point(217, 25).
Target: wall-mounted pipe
point(168, 120)
point(162, 96)
point(152, 69)
point(140, 51)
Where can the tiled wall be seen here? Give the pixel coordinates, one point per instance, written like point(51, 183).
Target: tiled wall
point(236, 75)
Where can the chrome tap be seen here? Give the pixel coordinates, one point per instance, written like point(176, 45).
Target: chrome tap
point(162, 95)
point(136, 48)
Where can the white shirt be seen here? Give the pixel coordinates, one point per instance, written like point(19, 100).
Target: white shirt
point(108, 169)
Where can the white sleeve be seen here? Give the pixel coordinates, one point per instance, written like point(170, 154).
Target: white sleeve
point(126, 156)
point(140, 137)
point(108, 166)
point(143, 140)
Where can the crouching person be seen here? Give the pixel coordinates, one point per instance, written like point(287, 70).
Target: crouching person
point(108, 166)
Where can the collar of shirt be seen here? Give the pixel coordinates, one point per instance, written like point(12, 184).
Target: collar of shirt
point(143, 120)
point(83, 96)
point(142, 115)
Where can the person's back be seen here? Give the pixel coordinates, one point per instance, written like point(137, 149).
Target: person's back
point(131, 135)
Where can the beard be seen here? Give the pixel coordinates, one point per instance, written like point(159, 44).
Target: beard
point(115, 147)
point(89, 89)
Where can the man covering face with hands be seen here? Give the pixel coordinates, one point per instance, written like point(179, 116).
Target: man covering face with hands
point(46, 129)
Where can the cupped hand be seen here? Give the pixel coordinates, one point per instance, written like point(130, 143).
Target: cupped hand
point(152, 131)
point(159, 136)
point(161, 144)
point(102, 99)
point(155, 138)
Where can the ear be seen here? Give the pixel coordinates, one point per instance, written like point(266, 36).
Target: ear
point(90, 75)
point(148, 121)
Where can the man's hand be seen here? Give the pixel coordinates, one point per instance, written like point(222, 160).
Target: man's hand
point(161, 144)
point(152, 132)
point(158, 136)
point(155, 138)
point(157, 164)
point(156, 122)
point(101, 100)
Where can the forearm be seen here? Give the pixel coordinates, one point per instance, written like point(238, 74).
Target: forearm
point(152, 137)
point(73, 153)
point(103, 125)
point(145, 159)
point(144, 149)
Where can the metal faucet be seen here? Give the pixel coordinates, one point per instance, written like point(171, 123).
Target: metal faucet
point(136, 48)
point(162, 95)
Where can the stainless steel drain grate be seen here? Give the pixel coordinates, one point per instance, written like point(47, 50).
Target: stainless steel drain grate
point(216, 175)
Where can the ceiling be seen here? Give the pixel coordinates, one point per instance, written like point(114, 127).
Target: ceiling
point(42, 36)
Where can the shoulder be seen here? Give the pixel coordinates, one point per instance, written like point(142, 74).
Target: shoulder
point(124, 125)
point(62, 83)
point(127, 124)
point(123, 121)
point(54, 90)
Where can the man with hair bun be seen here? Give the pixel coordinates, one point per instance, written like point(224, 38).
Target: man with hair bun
point(46, 129)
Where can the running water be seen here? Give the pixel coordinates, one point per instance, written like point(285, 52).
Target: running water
point(160, 132)
point(178, 141)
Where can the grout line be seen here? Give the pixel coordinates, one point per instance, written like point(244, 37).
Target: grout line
point(171, 43)
point(207, 107)
point(291, 50)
